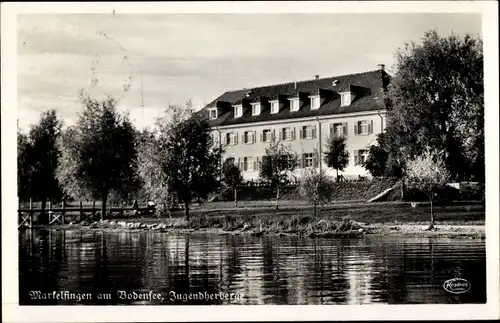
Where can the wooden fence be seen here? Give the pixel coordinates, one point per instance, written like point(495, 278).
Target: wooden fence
point(82, 210)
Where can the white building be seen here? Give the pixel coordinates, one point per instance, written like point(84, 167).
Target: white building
point(302, 114)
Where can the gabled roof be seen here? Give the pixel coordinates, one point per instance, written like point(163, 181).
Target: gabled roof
point(368, 89)
point(316, 91)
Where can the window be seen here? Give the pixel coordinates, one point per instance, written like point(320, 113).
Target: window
point(238, 111)
point(291, 161)
point(266, 135)
point(338, 129)
point(248, 137)
point(364, 156)
point(275, 106)
point(212, 113)
point(286, 134)
point(308, 160)
point(213, 137)
point(255, 109)
point(308, 132)
point(294, 105)
point(360, 156)
point(265, 161)
point(363, 127)
point(230, 160)
point(231, 138)
point(345, 99)
point(315, 102)
point(248, 164)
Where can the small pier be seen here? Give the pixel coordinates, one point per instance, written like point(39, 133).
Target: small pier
point(64, 213)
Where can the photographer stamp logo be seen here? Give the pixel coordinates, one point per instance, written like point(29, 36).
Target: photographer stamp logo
point(457, 285)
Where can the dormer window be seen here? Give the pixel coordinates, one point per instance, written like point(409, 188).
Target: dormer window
point(212, 113)
point(238, 110)
point(275, 106)
point(294, 104)
point(315, 102)
point(345, 99)
point(256, 109)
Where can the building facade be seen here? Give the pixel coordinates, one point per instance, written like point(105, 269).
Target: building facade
point(303, 115)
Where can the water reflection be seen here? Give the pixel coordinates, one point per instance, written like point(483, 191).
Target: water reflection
point(266, 270)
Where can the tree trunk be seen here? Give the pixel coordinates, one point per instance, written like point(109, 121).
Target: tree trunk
point(103, 205)
point(432, 215)
point(402, 190)
point(186, 261)
point(337, 175)
point(44, 217)
point(235, 197)
point(164, 205)
point(186, 209)
point(314, 208)
point(277, 196)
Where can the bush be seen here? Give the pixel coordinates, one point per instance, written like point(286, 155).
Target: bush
point(316, 187)
point(472, 192)
point(446, 194)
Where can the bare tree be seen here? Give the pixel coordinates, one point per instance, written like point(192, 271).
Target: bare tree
point(277, 164)
point(428, 173)
point(316, 187)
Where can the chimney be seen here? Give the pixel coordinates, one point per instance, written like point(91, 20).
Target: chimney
point(316, 77)
point(381, 67)
point(295, 85)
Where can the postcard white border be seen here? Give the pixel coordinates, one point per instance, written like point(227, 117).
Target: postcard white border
point(12, 312)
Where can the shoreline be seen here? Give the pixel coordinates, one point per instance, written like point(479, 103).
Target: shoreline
point(357, 230)
point(341, 220)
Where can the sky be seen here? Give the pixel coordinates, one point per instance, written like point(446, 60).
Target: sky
point(197, 57)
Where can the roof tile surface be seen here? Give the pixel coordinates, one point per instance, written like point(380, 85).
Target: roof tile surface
point(368, 89)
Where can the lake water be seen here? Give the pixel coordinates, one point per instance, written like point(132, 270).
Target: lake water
point(108, 268)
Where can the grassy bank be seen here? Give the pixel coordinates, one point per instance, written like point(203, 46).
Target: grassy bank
point(343, 191)
point(334, 220)
point(386, 212)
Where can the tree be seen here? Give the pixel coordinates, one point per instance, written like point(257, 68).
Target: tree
point(428, 173)
point(151, 169)
point(377, 160)
point(99, 153)
point(316, 187)
point(38, 156)
point(24, 167)
point(277, 164)
point(336, 154)
point(68, 166)
point(231, 177)
point(385, 158)
point(436, 100)
point(192, 164)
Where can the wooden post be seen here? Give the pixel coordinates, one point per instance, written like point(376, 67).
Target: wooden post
point(81, 211)
point(93, 209)
point(31, 212)
point(63, 213)
point(50, 212)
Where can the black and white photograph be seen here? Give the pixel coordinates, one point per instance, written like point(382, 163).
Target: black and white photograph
point(253, 155)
